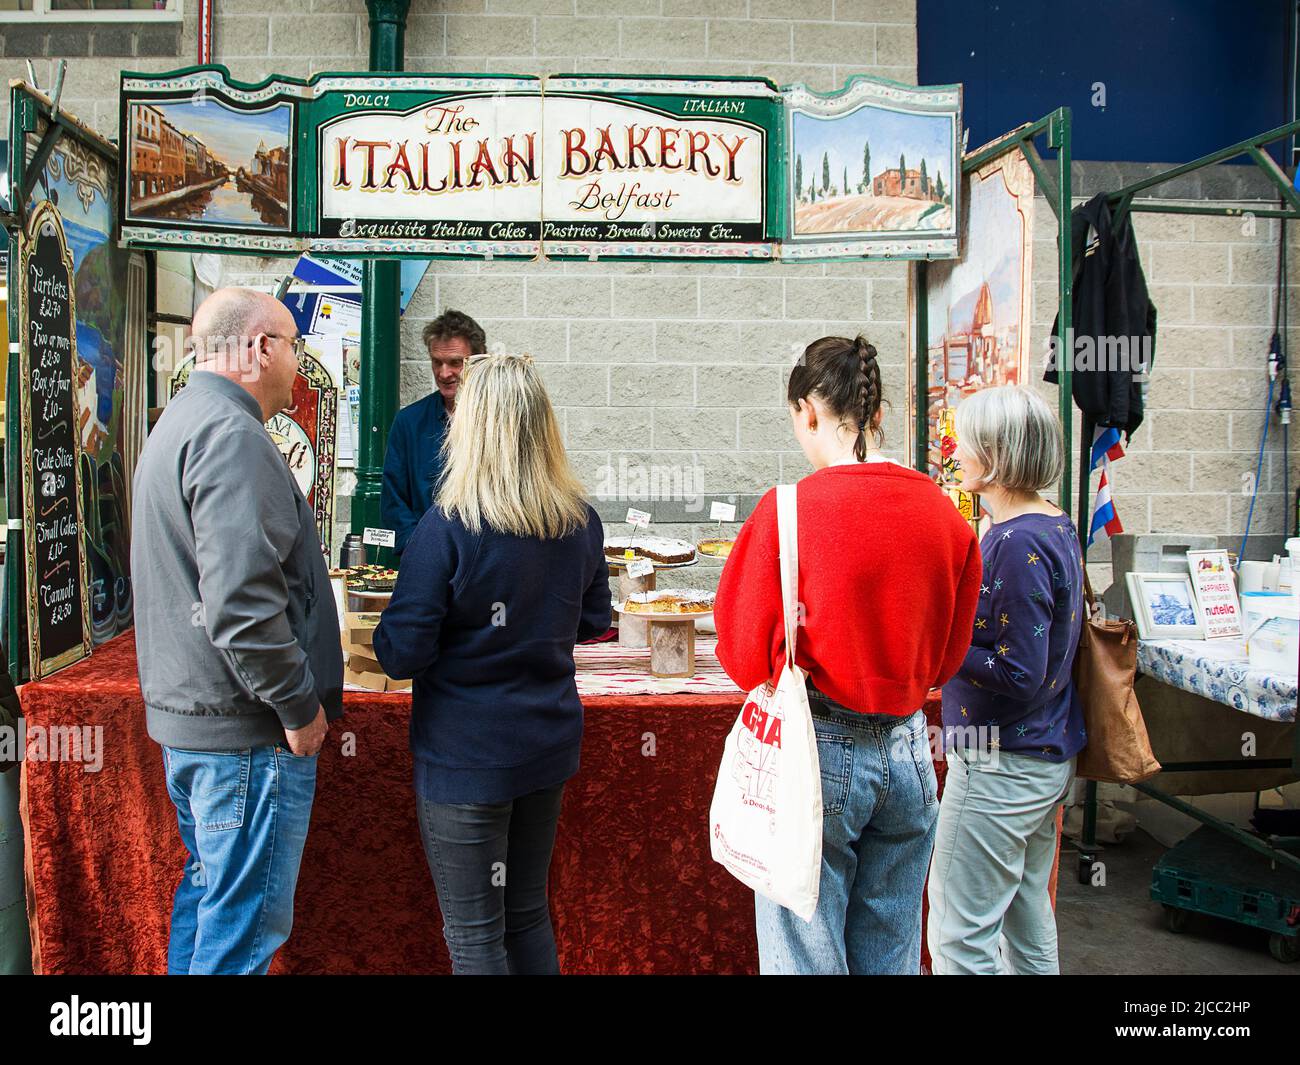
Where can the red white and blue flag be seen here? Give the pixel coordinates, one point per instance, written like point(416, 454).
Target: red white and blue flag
point(1106, 446)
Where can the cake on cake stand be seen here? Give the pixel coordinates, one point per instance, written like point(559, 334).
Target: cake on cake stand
point(671, 639)
point(632, 631)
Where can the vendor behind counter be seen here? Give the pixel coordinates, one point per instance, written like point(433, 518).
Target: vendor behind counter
point(413, 460)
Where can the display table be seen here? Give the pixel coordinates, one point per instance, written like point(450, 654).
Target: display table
point(633, 889)
point(1219, 670)
point(1193, 694)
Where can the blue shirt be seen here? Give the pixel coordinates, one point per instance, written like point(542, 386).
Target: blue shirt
point(411, 466)
point(1016, 680)
point(485, 624)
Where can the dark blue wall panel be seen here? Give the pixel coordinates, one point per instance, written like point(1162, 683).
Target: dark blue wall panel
point(1182, 77)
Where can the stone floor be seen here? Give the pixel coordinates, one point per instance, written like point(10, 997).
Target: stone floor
point(1118, 929)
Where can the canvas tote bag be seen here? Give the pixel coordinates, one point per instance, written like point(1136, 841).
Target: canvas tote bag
point(1105, 667)
point(765, 822)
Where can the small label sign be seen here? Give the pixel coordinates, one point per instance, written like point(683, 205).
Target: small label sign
point(379, 537)
point(642, 567)
point(722, 511)
point(637, 518)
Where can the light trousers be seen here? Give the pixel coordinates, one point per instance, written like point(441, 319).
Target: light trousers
point(993, 855)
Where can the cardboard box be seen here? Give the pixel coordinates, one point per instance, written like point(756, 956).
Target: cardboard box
point(375, 682)
point(360, 628)
point(365, 650)
point(364, 664)
point(398, 685)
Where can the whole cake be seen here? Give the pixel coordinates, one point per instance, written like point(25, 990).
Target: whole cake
point(717, 548)
point(680, 601)
point(656, 548)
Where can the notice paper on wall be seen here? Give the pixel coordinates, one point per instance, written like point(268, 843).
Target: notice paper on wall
point(330, 320)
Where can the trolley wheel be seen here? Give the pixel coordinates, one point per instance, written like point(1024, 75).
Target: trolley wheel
point(1284, 948)
point(1176, 919)
point(1084, 870)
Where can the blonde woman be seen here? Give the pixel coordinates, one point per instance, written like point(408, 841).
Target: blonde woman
point(498, 581)
point(1012, 719)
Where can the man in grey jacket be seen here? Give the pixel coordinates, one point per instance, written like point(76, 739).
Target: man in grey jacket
point(237, 638)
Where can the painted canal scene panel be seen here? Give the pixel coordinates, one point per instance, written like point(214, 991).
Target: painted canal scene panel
point(873, 169)
point(204, 161)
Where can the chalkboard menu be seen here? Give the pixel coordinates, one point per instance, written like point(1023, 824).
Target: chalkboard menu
point(57, 601)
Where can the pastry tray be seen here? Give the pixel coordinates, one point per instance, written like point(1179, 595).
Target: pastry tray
point(643, 616)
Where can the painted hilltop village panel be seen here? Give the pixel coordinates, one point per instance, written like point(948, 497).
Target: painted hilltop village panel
point(202, 162)
point(871, 171)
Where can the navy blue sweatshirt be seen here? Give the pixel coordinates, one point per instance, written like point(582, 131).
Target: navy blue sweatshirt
point(1016, 679)
point(411, 466)
point(485, 624)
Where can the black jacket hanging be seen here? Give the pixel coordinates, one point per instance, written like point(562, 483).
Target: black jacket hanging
point(1114, 320)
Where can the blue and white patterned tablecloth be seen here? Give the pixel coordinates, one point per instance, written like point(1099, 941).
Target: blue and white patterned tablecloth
point(1219, 670)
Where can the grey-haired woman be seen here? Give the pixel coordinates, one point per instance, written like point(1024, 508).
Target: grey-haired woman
point(1012, 719)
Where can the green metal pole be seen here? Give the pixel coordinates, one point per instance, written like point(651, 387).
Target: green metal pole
point(380, 307)
point(921, 384)
point(1060, 140)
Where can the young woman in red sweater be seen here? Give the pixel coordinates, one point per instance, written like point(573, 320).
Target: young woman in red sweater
point(888, 581)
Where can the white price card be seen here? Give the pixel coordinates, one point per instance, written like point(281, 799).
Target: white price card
point(638, 518)
point(379, 537)
point(722, 511)
point(642, 567)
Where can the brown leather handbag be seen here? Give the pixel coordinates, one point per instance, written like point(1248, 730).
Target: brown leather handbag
point(1105, 667)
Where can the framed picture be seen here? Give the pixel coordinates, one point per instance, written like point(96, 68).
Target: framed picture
point(1164, 606)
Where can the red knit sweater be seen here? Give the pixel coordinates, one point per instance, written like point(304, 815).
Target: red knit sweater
point(889, 575)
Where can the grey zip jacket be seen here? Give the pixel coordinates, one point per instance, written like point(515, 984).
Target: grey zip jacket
point(237, 638)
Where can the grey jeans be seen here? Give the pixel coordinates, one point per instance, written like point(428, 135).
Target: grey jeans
point(490, 863)
point(993, 857)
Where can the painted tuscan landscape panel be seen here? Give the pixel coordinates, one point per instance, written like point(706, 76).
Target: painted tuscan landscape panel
point(874, 170)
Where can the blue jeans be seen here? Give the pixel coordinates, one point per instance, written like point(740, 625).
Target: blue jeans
point(490, 863)
point(879, 806)
point(243, 818)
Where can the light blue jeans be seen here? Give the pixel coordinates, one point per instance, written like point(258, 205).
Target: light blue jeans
point(992, 862)
point(879, 804)
point(243, 818)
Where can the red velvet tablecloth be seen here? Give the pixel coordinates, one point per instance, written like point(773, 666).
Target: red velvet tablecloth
point(633, 889)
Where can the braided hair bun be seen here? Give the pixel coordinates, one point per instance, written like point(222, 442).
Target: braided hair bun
point(845, 375)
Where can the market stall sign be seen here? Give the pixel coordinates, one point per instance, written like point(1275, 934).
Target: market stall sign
point(58, 612)
point(458, 166)
point(489, 166)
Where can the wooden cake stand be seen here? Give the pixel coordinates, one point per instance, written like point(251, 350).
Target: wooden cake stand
point(632, 630)
point(671, 642)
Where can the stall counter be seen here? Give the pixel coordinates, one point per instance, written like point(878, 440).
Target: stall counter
point(633, 889)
